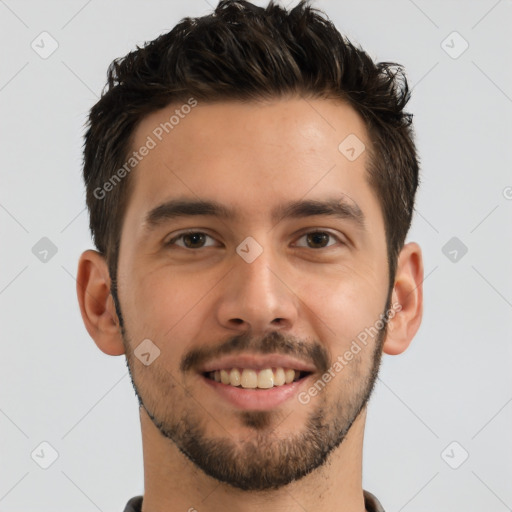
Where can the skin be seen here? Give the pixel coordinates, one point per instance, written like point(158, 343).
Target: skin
point(251, 157)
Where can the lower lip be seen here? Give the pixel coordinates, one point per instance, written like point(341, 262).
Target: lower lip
point(256, 399)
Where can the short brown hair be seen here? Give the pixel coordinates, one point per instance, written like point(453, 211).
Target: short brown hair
point(248, 53)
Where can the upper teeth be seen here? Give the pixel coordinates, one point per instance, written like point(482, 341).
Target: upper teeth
point(247, 378)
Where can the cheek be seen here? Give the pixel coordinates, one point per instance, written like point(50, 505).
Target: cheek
point(348, 304)
point(165, 306)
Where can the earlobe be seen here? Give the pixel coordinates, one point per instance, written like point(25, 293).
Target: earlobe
point(96, 303)
point(408, 294)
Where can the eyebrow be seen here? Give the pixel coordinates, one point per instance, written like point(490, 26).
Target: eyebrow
point(339, 208)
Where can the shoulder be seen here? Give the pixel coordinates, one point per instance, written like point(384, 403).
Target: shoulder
point(134, 505)
point(371, 503)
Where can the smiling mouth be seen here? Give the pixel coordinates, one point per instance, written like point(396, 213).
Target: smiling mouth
point(249, 378)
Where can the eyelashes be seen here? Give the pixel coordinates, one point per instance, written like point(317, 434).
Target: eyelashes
point(313, 234)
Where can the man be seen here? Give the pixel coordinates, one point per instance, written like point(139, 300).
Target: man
point(250, 181)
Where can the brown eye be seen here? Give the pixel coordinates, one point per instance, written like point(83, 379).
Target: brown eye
point(191, 240)
point(318, 239)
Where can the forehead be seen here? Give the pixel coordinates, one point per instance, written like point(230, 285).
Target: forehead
point(251, 156)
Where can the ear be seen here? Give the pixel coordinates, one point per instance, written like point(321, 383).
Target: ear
point(96, 303)
point(408, 292)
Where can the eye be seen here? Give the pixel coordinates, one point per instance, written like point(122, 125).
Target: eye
point(191, 240)
point(319, 238)
point(197, 240)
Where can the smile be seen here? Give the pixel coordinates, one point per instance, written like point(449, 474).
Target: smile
point(249, 378)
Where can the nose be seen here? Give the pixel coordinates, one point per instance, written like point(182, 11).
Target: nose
point(257, 296)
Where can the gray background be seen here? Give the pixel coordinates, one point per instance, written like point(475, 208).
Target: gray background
point(452, 385)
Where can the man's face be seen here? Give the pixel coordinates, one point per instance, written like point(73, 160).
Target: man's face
point(253, 291)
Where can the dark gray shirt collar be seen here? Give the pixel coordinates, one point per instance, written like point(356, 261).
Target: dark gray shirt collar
point(371, 503)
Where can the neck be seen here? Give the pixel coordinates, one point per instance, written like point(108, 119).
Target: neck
point(173, 483)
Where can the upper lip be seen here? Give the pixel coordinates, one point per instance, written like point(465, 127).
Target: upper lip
point(256, 362)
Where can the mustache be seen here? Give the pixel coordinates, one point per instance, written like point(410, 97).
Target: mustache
point(273, 342)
